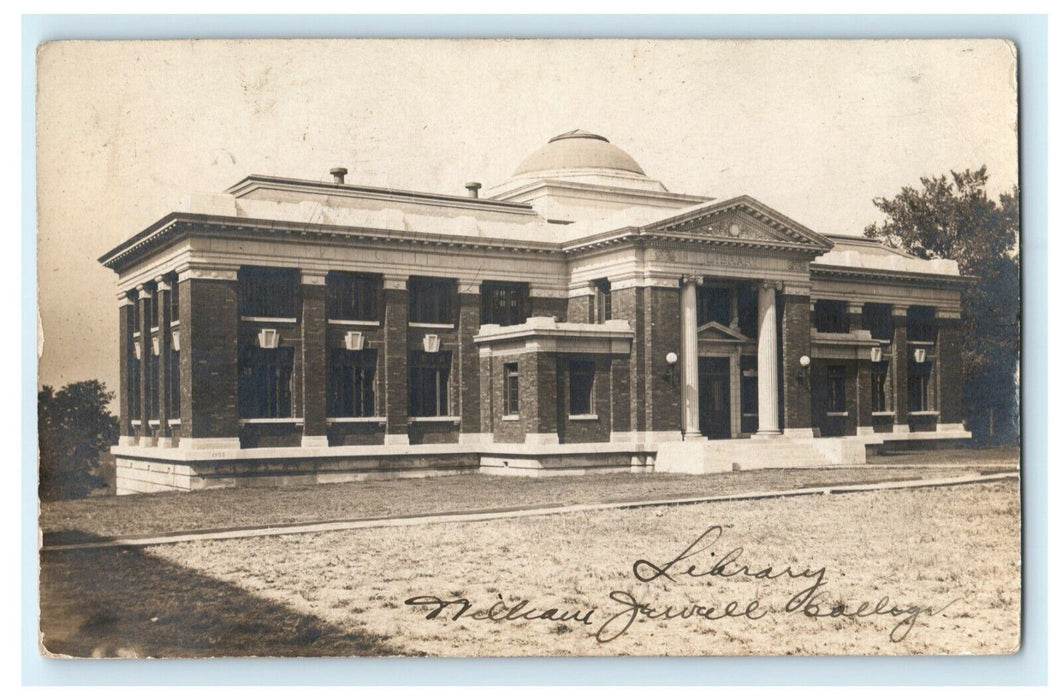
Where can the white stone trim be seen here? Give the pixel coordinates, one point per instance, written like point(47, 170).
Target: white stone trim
point(475, 438)
point(541, 439)
point(314, 441)
point(511, 418)
point(394, 282)
point(162, 284)
point(837, 414)
point(422, 324)
point(271, 421)
point(346, 322)
point(125, 300)
point(798, 433)
point(900, 428)
point(211, 444)
point(127, 440)
point(864, 430)
point(166, 443)
point(356, 419)
point(583, 417)
point(268, 319)
point(434, 419)
point(396, 439)
point(312, 278)
point(224, 274)
point(540, 291)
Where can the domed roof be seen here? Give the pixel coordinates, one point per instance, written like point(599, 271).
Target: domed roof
point(578, 150)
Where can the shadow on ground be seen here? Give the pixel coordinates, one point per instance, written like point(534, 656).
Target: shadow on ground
point(106, 603)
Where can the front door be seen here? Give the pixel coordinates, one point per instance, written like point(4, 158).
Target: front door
point(715, 396)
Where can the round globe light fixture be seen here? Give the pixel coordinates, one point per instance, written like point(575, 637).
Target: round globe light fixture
point(805, 360)
point(671, 358)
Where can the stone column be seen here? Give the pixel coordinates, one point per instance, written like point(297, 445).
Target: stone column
point(691, 418)
point(314, 328)
point(396, 359)
point(209, 311)
point(767, 362)
point(898, 366)
point(164, 290)
point(126, 434)
point(144, 304)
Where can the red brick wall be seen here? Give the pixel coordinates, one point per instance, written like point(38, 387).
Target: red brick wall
point(466, 361)
point(396, 360)
point(547, 306)
point(949, 358)
point(594, 430)
point(209, 321)
point(664, 336)
point(125, 359)
point(796, 341)
point(530, 394)
point(314, 359)
point(898, 367)
point(579, 309)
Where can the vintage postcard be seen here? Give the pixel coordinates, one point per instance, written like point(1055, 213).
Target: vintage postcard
point(528, 348)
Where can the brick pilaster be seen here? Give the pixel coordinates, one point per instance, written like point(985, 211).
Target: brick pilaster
point(663, 335)
point(898, 367)
point(396, 360)
point(949, 363)
point(468, 359)
point(209, 343)
point(864, 412)
point(314, 326)
point(796, 380)
point(855, 315)
point(143, 305)
point(125, 365)
point(162, 320)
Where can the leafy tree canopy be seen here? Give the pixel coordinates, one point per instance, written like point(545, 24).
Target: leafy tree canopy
point(73, 427)
point(953, 217)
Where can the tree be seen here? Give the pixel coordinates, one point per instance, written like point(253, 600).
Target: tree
point(953, 217)
point(73, 427)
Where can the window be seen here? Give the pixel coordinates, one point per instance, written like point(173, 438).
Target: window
point(152, 382)
point(270, 292)
point(353, 296)
point(603, 300)
point(352, 383)
point(512, 389)
point(581, 388)
point(175, 383)
point(503, 303)
point(265, 382)
point(918, 374)
point(429, 384)
point(879, 372)
point(151, 308)
point(431, 300)
point(748, 310)
point(835, 399)
point(750, 393)
point(713, 304)
point(175, 302)
point(134, 389)
point(921, 325)
point(831, 316)
point(877, 318)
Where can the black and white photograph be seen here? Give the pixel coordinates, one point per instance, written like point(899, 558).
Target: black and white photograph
point(545, 347)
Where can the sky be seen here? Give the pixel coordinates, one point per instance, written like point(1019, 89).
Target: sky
point(814, 129)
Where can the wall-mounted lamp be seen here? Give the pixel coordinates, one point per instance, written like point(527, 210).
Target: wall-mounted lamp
point(805, 370)
point(669, 374)
point(875, 354)
point(920, 355)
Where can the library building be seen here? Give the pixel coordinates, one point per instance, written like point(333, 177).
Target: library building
point(578, 317)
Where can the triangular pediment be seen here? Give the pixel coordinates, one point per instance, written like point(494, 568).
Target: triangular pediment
point(713, 330)
point(745, 221)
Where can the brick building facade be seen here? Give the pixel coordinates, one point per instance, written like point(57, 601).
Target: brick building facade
point(578, 316)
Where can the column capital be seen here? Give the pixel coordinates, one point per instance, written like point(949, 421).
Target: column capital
point(853, 307)
point(142, 291)
point(899, 310)
point(581, 289)
point(468, 285)
point(125, 299)
point(948, 315)
point(314, 278)
point(691, 279)
point(227, 273)
point(395, 282)
point(162, 283)
point(776, 285)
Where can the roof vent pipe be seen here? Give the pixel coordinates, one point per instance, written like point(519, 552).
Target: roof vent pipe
point(473, 189)
point(338, 174)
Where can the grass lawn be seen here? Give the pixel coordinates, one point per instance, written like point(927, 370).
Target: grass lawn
point(170, 512)
point(345, 592)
